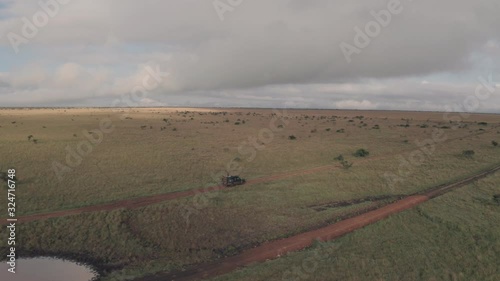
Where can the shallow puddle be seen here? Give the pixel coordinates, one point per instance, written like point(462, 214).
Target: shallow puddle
point(46, 269)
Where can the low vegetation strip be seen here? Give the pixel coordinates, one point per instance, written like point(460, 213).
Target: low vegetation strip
point(442, 189)
point(347, 203)
point(154, 199)
point(275, 249)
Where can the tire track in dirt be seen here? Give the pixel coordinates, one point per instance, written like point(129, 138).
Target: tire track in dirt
point(135, 203)
point(277, 248)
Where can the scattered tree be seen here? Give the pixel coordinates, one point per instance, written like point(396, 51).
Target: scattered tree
point(346, 164)
point(468, 153)
point(361, 152)
point(339, 158)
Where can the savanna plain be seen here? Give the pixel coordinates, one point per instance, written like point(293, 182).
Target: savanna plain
point(305, 169)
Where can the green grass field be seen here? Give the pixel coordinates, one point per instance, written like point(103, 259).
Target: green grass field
point(132, 162)
point(453, 237)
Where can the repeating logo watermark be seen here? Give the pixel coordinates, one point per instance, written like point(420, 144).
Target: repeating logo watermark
point(455, 115)
point(364, 37)
point(48, 9)
point(224, 6)
point(75, 154)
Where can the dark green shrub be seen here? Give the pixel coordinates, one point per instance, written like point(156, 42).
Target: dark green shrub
point(292, 137)
point(468, 153)
point(346, 164)
point(361, 153)
point(339, 158)
point(494, 143)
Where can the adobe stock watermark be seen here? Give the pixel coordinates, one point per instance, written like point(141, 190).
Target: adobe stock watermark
point(75, 155)
point(455, 115)
point(48, 9)
point(247, 150)
point(223, 6)
point(324, 253)
point(364, 37)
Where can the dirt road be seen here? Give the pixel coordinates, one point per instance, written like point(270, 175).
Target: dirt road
point(274, 249)
point(149, 200)
point(154, 199)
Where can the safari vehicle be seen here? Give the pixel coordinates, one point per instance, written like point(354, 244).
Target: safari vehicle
point(232, 181)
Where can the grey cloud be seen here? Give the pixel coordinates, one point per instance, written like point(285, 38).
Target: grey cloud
point(262, 47)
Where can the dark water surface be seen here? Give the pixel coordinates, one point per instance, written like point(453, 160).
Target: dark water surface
point(46, 269)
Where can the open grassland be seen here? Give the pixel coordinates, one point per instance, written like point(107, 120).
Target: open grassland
point(452, 237)
point(185, 150)
point(155, 151)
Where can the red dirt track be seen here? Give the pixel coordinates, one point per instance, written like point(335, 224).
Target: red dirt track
point(154, 199)
point(274, 249)
point(134, 203)
point(277, 248)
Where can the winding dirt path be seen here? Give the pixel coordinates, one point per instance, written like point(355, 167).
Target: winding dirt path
point(275, 249)
point(134, 203)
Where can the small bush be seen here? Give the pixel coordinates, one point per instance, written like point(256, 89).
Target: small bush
point(468, 153)
point(496, 198)
point(236, 123)
point(361, 153)
point(292, 137)
point(339, 158)
point(494, 143)
point(483, 123)
point(346, 164)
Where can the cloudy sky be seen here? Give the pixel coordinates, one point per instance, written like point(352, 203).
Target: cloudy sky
point(380, 54)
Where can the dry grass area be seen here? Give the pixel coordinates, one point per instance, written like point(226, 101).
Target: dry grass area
point(453, 237)
point(160, 150)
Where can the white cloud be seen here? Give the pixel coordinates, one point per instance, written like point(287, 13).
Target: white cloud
point(354, 104)
point(287, 49)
